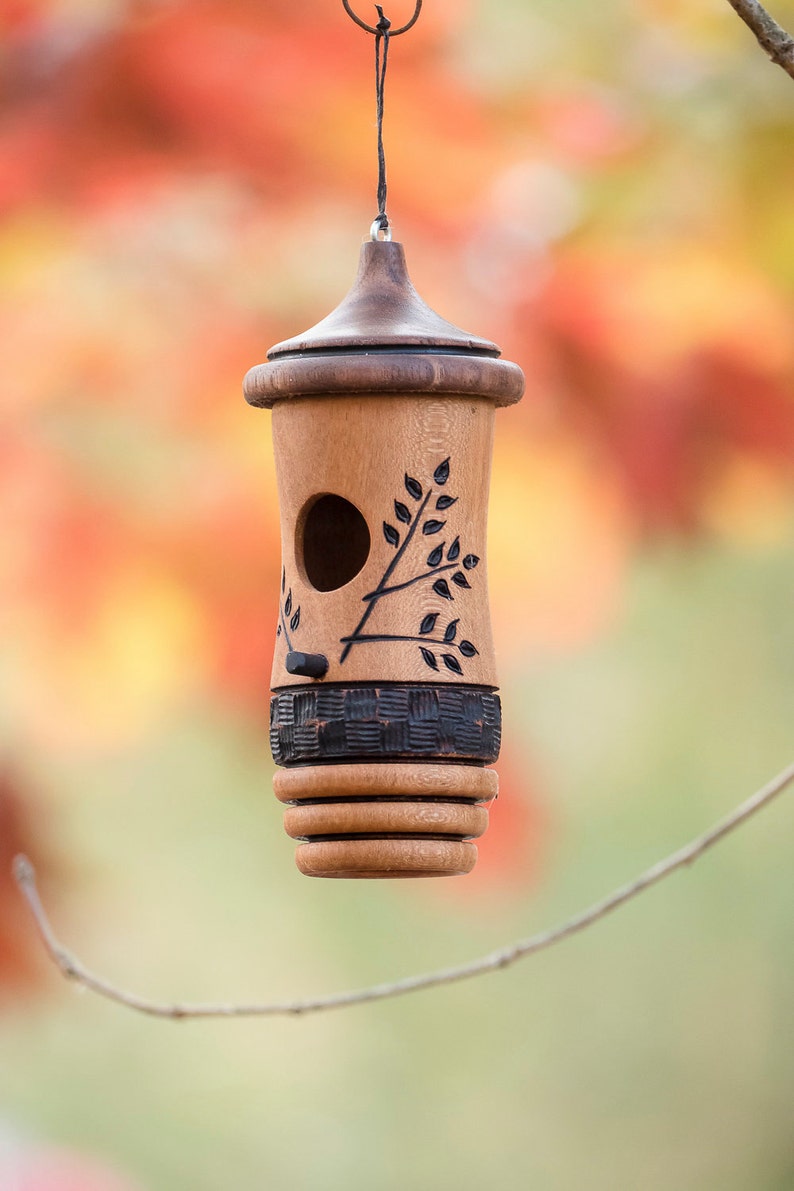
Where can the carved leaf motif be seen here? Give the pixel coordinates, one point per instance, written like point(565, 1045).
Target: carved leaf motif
point(435, 556)
point(296, 619)
point(441, 588)
point(467, 649)
point(441, 474)
point(429, 623)
point(452, 663)
point(283, 578)
point(470, 561)
point(402, 512)
point(444, 502)
point(429, 656)
point(433, 526)
point(413, 487)
point(288, 605)
point(460, 579)
point(278, 631)
point(454, 550)
point(451, 630)
point(390, 534)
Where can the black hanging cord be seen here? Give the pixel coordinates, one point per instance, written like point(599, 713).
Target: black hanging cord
point(382, 33)
point(381, 221)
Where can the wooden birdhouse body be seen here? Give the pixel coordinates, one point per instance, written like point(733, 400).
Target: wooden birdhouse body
point(384, 712)
point(368, 551)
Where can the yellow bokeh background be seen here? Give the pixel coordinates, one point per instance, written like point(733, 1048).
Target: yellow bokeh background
point(605, 191)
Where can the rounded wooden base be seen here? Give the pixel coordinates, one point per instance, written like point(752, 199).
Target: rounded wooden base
point(386, 820)
point(377, 858)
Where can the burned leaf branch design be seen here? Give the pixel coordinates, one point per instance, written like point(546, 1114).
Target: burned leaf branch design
point(393, 538)
point(446, 642)
point(441, 559)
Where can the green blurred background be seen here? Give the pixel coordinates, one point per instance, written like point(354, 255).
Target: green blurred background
point(606, 191)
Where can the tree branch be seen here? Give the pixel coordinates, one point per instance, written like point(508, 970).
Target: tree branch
point(73, 969)
point(384, 591)
point(778, 44)
point(375, 596)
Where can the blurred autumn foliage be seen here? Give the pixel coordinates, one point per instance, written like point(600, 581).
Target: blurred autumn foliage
point(19, 957)
point(603, 189)
point(182, 184)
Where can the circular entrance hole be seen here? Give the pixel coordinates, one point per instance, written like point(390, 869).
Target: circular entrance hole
point(335, 543)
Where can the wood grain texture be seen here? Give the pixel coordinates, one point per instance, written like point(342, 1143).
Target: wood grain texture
point(373, 374)
point(357, 859)
point(462, 820)
point(390, 804)
point(368, 451)
point(382, 309)
point(368, 780)
point(381, 339)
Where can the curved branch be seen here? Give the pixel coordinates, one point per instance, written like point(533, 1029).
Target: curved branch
point(772, 37)
point(73, 969)
point(375, 596)
point(384, 591)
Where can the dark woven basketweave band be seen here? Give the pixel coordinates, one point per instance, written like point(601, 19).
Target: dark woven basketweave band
point(389, 723)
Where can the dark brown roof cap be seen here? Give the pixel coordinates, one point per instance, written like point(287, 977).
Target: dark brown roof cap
point(382, 339)
point(382, 309)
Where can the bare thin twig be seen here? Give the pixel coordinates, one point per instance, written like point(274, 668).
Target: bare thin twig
point(73, 969)
point(778, 44)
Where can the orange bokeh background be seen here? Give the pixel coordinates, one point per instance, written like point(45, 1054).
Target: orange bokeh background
point(184, 184)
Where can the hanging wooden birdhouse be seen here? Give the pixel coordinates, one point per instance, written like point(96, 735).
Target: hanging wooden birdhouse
point(385, 715)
